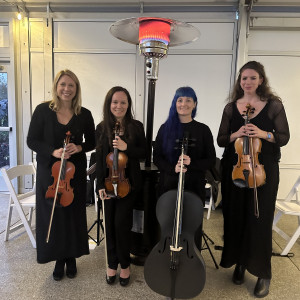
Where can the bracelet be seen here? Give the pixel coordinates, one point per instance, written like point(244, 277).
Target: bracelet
point(269, 135)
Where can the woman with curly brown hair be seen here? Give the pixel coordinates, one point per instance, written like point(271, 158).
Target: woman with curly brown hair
point(248, 238)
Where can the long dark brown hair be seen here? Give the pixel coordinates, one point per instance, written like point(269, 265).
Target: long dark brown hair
point(109, 119)
point(263, 91)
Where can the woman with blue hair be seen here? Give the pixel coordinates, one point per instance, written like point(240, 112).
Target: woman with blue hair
point(200, 155)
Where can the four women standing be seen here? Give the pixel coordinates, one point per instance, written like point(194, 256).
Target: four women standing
point(247, 239)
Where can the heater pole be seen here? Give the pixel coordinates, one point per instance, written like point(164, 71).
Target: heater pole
point(150, 115)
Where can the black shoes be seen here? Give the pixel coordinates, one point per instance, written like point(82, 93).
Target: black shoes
point(71, 267)
point(59, 270)
point(262, 287)
point(124, 281)
point(238, 274)
point(110, 279)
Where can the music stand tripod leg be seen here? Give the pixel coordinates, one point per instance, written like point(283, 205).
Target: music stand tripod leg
point(98, 221)
point(205, 238)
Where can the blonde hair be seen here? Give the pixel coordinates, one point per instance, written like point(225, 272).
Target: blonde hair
point(55, 103)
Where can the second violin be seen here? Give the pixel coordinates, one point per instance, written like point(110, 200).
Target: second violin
point(116, 184)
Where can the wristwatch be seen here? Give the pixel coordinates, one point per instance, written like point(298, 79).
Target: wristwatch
point(269, 135)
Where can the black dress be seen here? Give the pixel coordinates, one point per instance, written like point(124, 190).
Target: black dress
point(68, 236)
point(248, 239)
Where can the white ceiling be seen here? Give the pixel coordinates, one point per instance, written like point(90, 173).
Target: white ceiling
point(131, 5)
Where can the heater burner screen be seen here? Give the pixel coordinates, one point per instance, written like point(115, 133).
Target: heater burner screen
point(154, 30)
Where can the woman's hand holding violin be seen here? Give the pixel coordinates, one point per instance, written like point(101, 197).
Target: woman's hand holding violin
point(103, 194)
point(58, 153)
point(119, 144)
point(252, 130)
point(240, 133)
point(72, 149)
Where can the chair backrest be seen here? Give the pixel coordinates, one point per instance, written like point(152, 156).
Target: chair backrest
point(18, 171)
point(294, 191)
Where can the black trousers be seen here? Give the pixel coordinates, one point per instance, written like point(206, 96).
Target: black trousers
point(118, 224)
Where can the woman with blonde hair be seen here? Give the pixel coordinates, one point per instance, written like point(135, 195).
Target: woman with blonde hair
point(50, 122)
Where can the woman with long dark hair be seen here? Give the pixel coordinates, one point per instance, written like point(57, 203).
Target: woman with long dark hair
point(248, 238)
point(119, 211)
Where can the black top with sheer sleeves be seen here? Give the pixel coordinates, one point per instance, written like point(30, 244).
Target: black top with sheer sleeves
point(277, 124)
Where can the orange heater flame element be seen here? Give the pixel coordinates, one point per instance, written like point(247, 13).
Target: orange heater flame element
point(154, 30)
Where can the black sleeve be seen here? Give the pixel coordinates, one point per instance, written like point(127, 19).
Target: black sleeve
point(89, 132)
point(223, 138)
point(281, 127)
point(101, 154)
point(35, 137)
point(208, 158)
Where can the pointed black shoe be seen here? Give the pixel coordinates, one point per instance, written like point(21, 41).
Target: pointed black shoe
point(124, 281)
point(110, 279)
point(262, 287)
point(238, 274)
point(71, 267)
point(59, 270)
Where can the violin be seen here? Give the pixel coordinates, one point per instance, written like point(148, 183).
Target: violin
point(248, 172)
point(116, 184)
point(61, 191)
point(175, 268)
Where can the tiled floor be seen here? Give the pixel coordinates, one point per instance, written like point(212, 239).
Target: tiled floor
point(22, 278)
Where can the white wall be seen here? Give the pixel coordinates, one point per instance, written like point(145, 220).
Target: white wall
point(278, 51)
point(85, 45)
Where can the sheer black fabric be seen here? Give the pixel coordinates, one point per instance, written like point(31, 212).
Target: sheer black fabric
point(247, 239)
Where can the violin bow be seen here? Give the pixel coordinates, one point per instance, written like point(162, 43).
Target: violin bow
point(250, 110)
point(57, 185)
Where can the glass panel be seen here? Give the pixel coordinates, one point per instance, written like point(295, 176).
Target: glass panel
point(4, 135)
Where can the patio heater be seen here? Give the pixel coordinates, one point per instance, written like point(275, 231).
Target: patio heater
point(154, 37)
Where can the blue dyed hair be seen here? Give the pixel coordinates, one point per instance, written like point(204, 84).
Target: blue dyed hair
point(173, 127)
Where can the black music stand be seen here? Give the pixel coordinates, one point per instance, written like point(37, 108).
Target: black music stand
point(205, 246)
point(98, 222)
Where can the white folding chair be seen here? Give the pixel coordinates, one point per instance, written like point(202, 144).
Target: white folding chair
point(19, 201)
point(209, 204)
point(288, 206)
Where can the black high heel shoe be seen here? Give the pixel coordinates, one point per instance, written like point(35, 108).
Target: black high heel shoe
point(71, 267)
point(238, 274)
point(110, 279)
point(124, 281)
point(59, 270)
